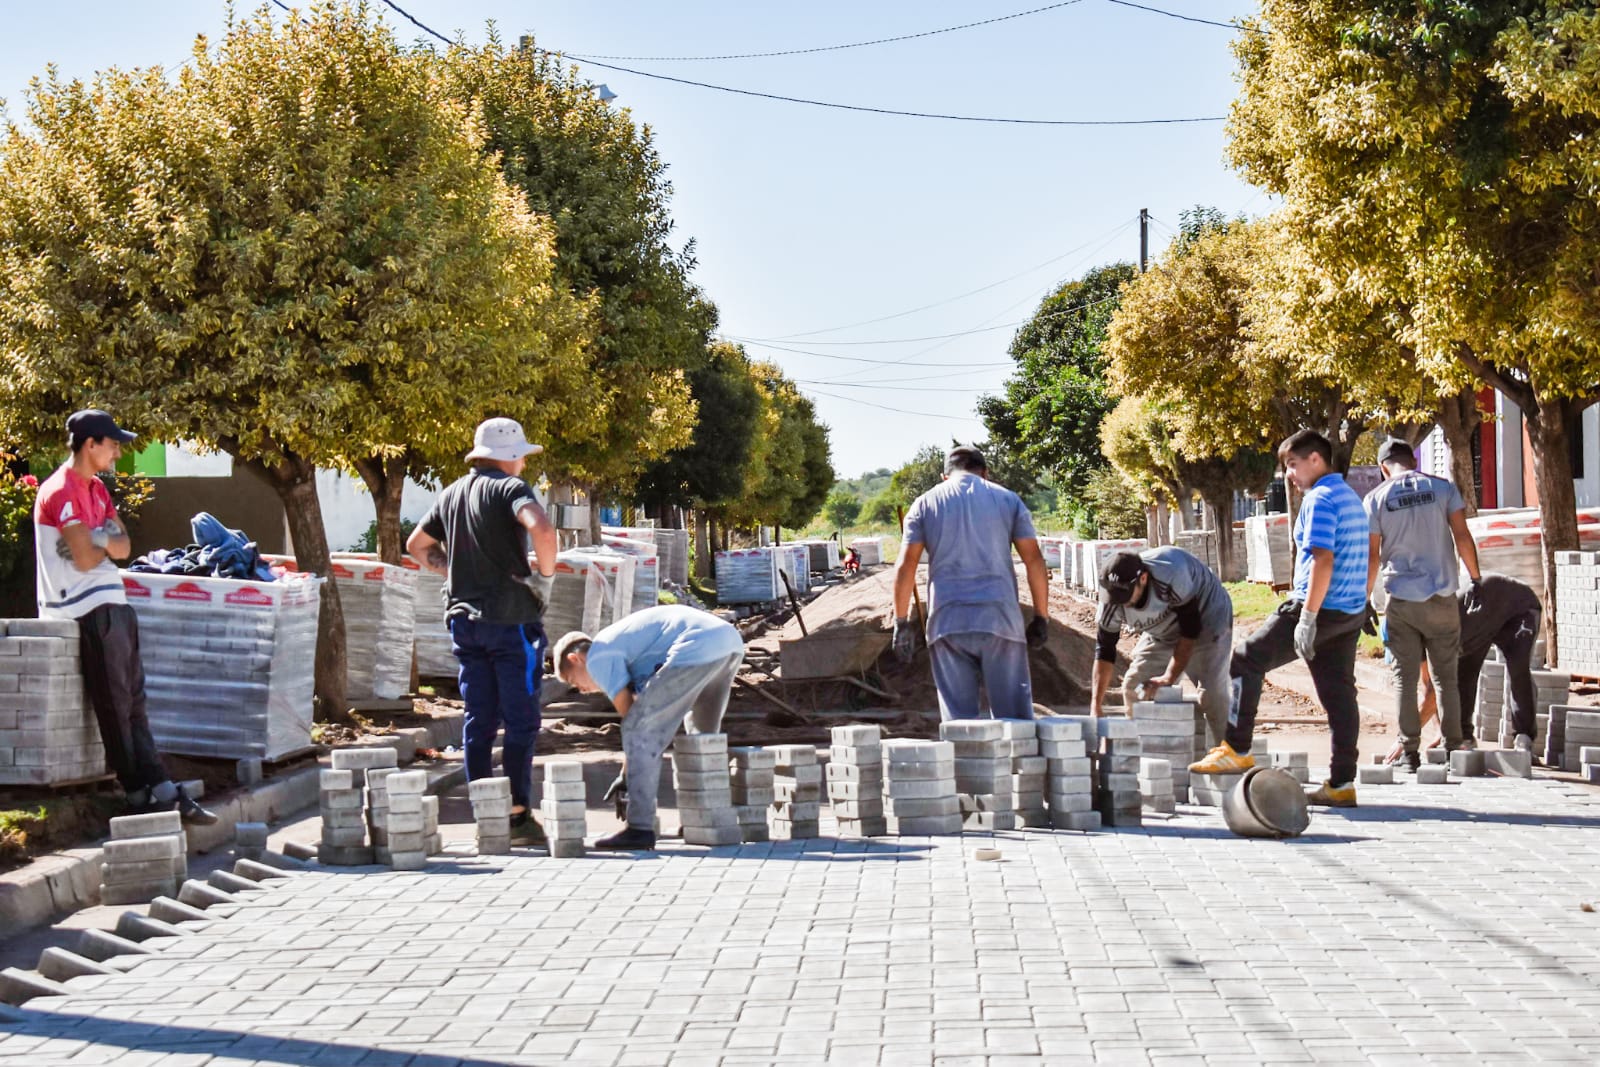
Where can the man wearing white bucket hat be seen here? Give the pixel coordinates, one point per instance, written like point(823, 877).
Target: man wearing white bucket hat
point(478, 535)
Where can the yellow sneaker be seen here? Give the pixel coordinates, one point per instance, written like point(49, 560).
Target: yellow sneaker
point(1223, 760)
point(1331, 796)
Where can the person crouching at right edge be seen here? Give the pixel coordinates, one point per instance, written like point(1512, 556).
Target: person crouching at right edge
point(1320, 622)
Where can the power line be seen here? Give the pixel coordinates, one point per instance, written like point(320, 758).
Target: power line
point(959, 296)
point(861, 108)
point(898, 388)
point(948, 336)
point(858, 359)
point(898, 411)
point(1184, 18)
point(844, 47)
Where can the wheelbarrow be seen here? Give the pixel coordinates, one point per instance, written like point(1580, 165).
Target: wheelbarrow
point(844, 656)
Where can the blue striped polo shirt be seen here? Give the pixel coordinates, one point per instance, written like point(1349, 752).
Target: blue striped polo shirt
point(1331, 517)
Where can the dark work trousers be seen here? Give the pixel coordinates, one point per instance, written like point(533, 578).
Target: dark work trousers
point(1515, 641)
point(1333, 673)
point(501, 665)
point(113, 679)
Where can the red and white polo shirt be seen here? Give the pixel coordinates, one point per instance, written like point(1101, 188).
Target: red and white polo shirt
point(68, 499)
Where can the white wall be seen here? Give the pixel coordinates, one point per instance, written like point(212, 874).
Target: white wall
point(1589, 485)
point(1508, 451)
point(347, 508)
point(190, 461)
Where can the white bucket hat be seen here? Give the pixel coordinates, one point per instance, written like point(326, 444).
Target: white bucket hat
point(501, 439)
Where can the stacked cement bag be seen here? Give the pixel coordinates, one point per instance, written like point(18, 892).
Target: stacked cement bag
point(748, 576)
point(1269, 548)
point(228, 665)
point(380, 618)
point(430, 637)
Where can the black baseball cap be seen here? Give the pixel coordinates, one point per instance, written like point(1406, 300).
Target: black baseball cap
point(964, 457)
point(1394, 448)
point(1120, 575)
point(92, 423)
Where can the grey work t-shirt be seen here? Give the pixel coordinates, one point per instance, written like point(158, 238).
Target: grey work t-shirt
point(1411, 516)
point(1177, 578)
point(967, 524)
point(475, 519)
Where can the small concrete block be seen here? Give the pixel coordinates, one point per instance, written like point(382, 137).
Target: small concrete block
point(340, 800)
point(1509, 764)
point(101, 945)
point(229, 882)
point(1433, 774)
point(1154, 768)
point(1434, 756)
point(1468, 763)
point(494, 846)
point(568, 848)
point(257, 871)
point(489, 789)
point(753, 757)
point(492, 808)
point(898, 752)
point(563, 771)
point(342, 759)
point(1058, 729)
point(919, 790)
point(852, 736)
point(927, 826)
point(299, 851)
point(1375, 774)
point(169, 910)
point(60, 629)
point(138, 891)
point(1588, 754)
point(141, 850)
point(971, 730)
point(1070, 768)
point(750, 832)
point(19, 987)
point(136, 927)
point(989, 820)
point(712, 836)
point(1591, 773)
point(413, 783)
point(59, 965)
point(404, 804)
point(1076, 820)
point(152, 824)
point(920, 772)
point(408, 861)
point(856, 755)
point(921, 808)
point(248, 772)
point(711, 743)
point(339, 856)
point(1117, 728)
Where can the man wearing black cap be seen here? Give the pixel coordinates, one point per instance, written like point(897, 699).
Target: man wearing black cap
point(1184, 619)
point(77, 535)
point(968, 525)
point(1419, 524)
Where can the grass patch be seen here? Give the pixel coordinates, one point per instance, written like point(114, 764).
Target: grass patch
point(1252, 600)
point(15, 826)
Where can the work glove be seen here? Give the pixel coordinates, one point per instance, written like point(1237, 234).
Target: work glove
point(1472, 600)
point(541, 585)
point(618, 792)
point(905, 640)
point(1305, 635)
point(1038, 631)
point(100, 537)
point(1370, 626)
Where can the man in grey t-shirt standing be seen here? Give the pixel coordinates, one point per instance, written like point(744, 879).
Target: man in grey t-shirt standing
point(968, 525)
point(1419, 524)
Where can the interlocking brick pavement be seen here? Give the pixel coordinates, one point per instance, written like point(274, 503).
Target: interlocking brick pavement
point(1436, 924)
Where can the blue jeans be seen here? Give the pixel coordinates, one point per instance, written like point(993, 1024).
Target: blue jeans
point(964, 662)
point(500, 669)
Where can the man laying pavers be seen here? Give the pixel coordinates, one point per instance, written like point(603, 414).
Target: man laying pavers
point(476, 535)
point(968, 525)
point(1184, 619)
point(77, 535)
point(661, 668)
point(1504, 613)
point(1418, 524)
point(1320, 622)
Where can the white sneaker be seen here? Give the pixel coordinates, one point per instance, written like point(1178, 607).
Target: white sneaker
point(1524, 744)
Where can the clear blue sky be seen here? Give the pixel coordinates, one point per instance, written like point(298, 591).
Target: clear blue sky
point(807, 219)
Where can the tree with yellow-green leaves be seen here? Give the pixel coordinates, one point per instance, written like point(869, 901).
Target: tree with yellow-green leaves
point(1442, 156)
point(790, 468)
point(299, 253)
point(596, 173)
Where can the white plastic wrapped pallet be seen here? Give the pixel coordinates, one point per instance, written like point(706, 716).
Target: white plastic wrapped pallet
point(1269, 545)
point(794, 560)
point(1094, 555)
point(646, 571)
point(870, 549)
point(229, 665)
point(1511, 542)
point(672, 548)
point(593, 588)
point(747, 576)
point(430, 635)
point(379, 601)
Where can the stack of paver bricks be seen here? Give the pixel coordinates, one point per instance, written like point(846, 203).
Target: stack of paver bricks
point(797, 793)
point(705, 796)
point(1578, 612)
point(147, 857)
point(433, 841)
point(1155, 786)
point(1550, 689)
point(1029, 772)
point(1297, 765)
point(249, 840)
point(1116, 793)
point(919, 788)
point(751, 777)
point(983, 773)
point(378, 807)
point(344, 819)
point(855, 781)
point(1168, 728)
point(407, 824)
point(1582, 741)
point(48, 732)
point(564, 808)
point(1491, 699)
point(491, 810)
point(1070, 772)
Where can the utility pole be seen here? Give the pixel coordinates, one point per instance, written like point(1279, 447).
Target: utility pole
point(1144, 239)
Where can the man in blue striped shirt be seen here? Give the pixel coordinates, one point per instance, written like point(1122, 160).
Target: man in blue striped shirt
point(1321, 621)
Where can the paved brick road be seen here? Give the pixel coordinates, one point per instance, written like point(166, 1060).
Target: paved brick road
point(1435, 925)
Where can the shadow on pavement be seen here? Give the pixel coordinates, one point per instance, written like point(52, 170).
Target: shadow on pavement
point(1405, 812)
point(1213, 833)
point(234, 1044)
point(813, 850)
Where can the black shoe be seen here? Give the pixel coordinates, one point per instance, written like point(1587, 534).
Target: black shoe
point(628, 839)
point(191, 811)
point(1413, 761)
point(526, 831)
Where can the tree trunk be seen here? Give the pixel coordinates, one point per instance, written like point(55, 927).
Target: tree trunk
point(702, 544)
point(385, 477)
point(1220, 504)
point(1152, 528)
point(1558, 498)
point(295, 481)
point(592, 495)
point(1459, 419)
